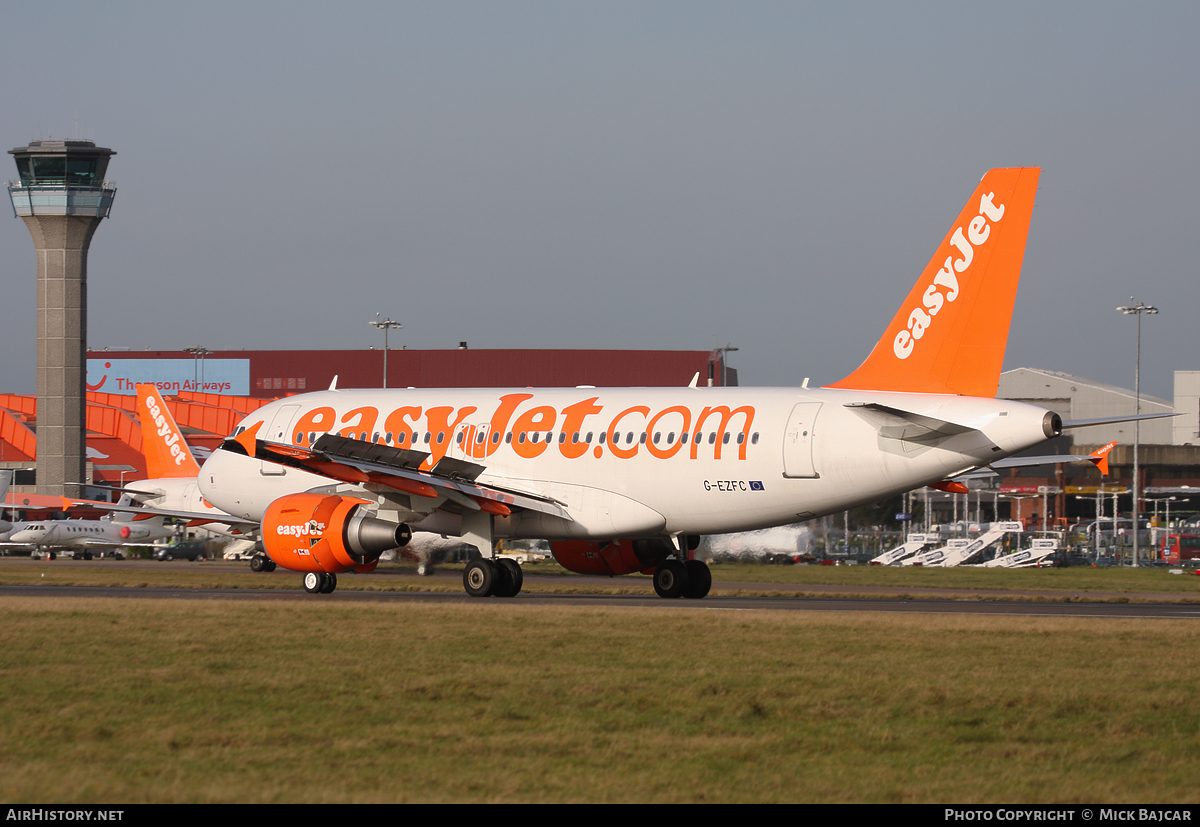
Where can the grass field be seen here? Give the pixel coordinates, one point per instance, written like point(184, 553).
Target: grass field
point(125, 701)
point(738, 578)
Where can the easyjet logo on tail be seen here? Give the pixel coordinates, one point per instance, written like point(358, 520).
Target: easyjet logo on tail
point(167, 454)
point(949, 333)
point(945, 281)
point(170, 437)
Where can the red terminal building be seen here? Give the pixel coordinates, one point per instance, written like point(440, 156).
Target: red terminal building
point(209, 391)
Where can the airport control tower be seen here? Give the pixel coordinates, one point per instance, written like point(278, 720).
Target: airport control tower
point(62, 197)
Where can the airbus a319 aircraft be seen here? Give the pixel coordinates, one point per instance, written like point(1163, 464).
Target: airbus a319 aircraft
point(624, 480)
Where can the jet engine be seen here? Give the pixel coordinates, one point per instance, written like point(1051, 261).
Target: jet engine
point(328, 533)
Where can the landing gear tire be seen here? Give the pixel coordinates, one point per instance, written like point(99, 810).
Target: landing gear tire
point(670, 579)
point(330, 583)
point(512, 580)
point(258, 563)
point(699, 579)
point(313, 582)
point(480, 577)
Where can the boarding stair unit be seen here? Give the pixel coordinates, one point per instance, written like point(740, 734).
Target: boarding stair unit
point(957, 552)
point(1034, 555)
point(995, 532)
point(912, 545)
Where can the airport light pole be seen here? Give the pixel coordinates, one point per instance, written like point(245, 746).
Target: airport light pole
point(385, 325)
point(198, 354)
point(1137, 310)
point(725, 351)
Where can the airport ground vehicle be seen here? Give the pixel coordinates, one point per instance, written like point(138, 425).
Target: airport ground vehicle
point(181, 551)
point(1175, 549)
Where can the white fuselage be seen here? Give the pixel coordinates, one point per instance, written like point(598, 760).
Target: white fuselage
point(176, 494)
point(643, 462)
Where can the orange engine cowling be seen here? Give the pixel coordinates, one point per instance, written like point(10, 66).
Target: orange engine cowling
point(328, 533)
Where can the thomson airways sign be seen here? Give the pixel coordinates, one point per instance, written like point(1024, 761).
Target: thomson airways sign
point(231, 376)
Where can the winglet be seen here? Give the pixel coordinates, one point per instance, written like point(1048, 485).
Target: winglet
point(167, 454)
point(950, 333)
point(1100, 458)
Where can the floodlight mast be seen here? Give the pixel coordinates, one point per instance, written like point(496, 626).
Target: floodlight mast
point(1137, 310)
point(385, 325)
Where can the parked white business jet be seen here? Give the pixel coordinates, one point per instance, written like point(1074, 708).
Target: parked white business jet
point(625, 480)
point(88, 535)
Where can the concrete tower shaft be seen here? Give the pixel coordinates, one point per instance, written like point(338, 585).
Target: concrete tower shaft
point(62, 199)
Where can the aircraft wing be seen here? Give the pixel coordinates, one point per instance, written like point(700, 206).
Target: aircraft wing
point(193, 518)
point(359, 462)
point(98, 542)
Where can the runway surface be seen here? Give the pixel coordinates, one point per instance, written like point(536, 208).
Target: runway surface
point(711, 603)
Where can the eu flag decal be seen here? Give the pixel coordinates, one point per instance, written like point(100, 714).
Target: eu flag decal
point(756, 485)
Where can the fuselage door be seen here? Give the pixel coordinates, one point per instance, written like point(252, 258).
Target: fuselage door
point(280, 431)
point(798, 441)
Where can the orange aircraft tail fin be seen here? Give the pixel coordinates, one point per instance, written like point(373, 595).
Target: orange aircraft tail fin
point(950, 333)
point(1100, 458)
point(167, 454)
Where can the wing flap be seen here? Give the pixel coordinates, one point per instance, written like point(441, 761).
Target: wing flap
point(360, 462)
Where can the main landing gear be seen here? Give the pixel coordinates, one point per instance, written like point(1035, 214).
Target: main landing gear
point(493, 578)
point(691, 579)
point(320, 582)
point(261, 562)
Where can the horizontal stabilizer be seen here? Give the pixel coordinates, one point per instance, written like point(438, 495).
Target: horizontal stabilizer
point(1098, 458)
point(1108, 420)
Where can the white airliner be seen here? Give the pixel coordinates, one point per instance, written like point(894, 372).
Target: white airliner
point(624, 480)
point(171, 488)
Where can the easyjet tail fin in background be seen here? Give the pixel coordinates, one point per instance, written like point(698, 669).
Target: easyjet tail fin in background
point(167, 455)
point(949, 335)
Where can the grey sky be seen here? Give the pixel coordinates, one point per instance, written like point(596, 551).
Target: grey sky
point(611, 175)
